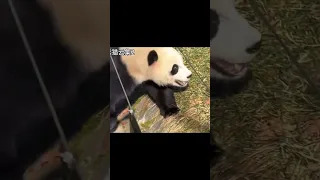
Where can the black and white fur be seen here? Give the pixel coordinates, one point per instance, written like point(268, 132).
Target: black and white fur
point(70, 42)
point(155, 71)
point(233, 44)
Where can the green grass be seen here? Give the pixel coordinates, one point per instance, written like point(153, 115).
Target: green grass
point(272, 130)
point(195, 102)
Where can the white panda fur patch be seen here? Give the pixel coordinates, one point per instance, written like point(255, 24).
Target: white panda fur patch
point(233, 45)
point(84, 28)
point(159, 71)
point(233, 37)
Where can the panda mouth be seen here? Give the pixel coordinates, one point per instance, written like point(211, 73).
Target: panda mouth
point(227, 68)
point(181, 83)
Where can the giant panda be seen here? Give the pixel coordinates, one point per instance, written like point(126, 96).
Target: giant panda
point(70, 42)
point(233, 44)
point(157, 71)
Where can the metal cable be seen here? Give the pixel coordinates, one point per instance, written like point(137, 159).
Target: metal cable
point(134, 123)
point(124, 91)
point(41, 82)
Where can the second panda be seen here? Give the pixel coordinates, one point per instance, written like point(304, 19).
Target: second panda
point(157, 71)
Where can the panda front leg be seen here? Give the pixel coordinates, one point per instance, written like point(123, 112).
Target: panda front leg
point(164, 98)
point(169, 103)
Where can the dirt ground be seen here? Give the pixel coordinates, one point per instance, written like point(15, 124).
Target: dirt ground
point(272, 129)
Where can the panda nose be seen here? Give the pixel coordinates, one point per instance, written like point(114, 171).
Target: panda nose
point(189, 76)
point(254, 48)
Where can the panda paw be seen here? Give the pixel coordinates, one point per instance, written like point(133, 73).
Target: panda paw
point(170, 111)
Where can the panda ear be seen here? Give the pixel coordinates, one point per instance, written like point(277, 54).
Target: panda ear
point(152, 57)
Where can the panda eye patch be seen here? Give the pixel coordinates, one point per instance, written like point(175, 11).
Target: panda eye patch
point(175, 69)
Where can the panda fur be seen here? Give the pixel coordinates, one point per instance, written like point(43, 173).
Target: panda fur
point(233, 44)
point(69, 41)
point(215, 152)
point(153, 71)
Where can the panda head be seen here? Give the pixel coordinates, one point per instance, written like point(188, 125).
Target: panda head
point(233, 44)
point(83, 26)
point(162, 65)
